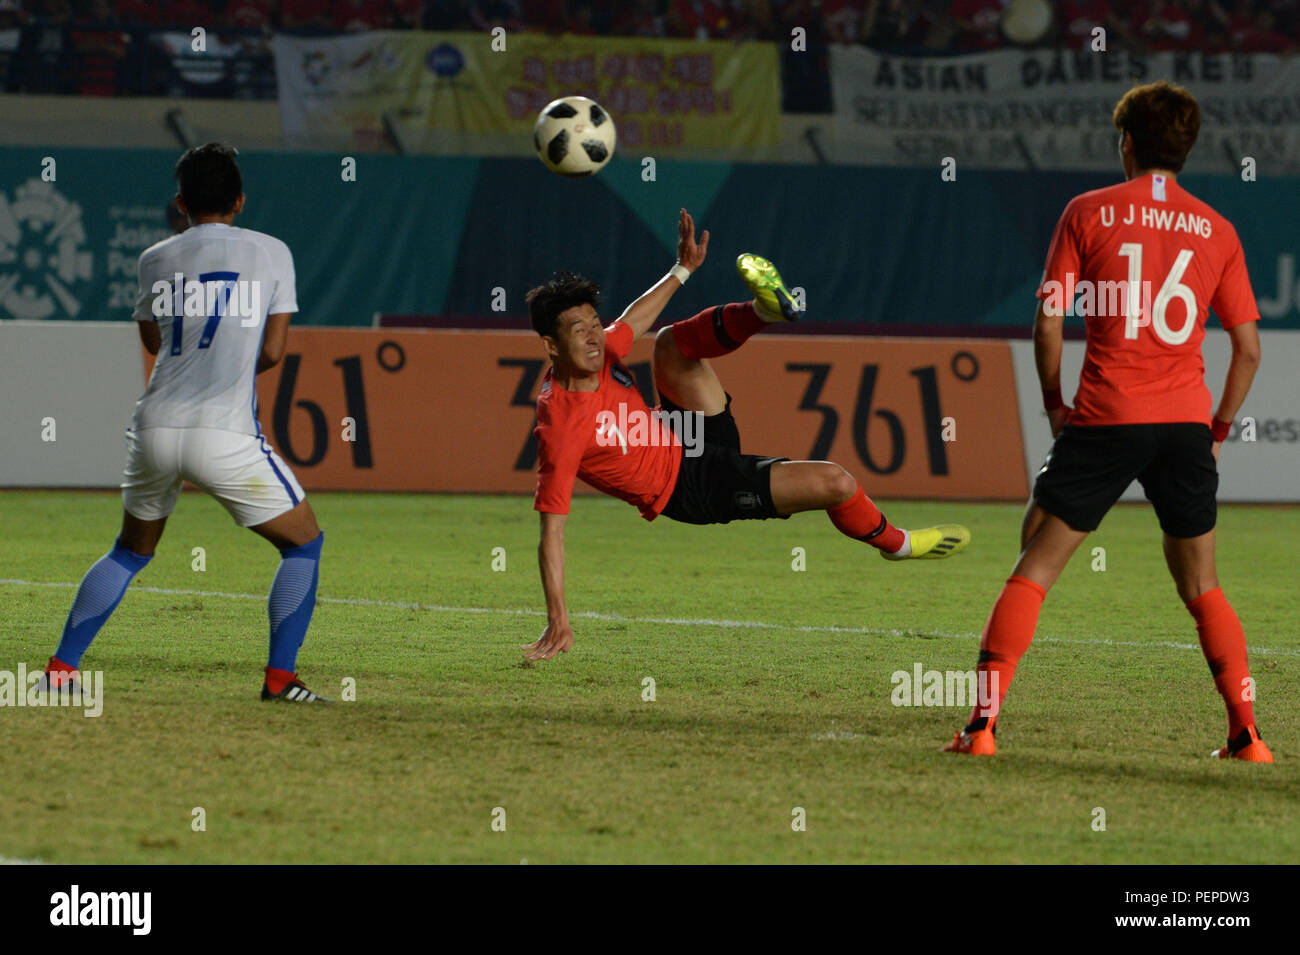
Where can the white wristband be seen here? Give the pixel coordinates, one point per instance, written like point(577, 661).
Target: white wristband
point(680, 272)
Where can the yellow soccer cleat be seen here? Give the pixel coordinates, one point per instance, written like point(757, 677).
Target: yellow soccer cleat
point(933, 543)
point(772, 300)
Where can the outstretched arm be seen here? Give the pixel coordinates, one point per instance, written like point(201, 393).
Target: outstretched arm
point(558, 636)
point(643, 313)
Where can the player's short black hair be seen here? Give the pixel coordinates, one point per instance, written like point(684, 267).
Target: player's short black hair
point(209, 180)
point(1163, 120)
point(563, 292)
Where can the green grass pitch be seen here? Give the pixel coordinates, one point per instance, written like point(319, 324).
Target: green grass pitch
point(772, 693)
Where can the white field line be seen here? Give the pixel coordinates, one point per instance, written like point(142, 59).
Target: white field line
point(661, 621)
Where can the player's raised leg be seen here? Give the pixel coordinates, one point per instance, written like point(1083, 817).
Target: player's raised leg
point(1047, 542)
point(688, 382)
point(825, 486)
point(100, 592)
point(1223, 641)
point(681, 371)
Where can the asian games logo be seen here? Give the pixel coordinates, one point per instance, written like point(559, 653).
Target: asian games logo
point(43, 255)
point(315, 66)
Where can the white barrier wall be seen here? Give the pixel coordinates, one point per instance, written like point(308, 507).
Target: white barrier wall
point(78, 382)
point(1267, 469)
point(74, 382)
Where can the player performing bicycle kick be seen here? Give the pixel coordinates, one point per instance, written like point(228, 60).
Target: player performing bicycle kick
point(592, 423)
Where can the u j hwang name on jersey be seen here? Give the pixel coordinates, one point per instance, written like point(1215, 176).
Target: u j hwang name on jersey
point(211, 295)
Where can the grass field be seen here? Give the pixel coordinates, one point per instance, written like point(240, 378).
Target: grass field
point(773, 691)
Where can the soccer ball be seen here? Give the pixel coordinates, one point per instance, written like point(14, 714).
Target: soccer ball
point(574, 136)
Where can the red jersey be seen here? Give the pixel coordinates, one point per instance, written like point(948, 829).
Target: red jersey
point(607, 437)
point(1149, 259)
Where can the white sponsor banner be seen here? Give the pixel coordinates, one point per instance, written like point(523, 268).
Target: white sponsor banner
point(68, 390)
point(1050, 109)
point(1265, 469)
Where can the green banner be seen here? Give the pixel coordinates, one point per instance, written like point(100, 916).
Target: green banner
point(425, 235)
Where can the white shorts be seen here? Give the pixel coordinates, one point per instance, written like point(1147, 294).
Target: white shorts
point(239, 470)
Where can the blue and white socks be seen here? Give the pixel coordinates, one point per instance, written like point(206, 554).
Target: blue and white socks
point(292, 600)
point(100, 592)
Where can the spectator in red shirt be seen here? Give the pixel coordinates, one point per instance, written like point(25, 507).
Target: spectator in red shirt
point(1167, 26)
point(643, 18)
point(895, 23)
point(305, 14)
point(580, 19)
point(1078, 18)
point(489, 14)
point(978, 23)
point(249, 14)
point(696, 19)
point(546, 16)
point(147, 12)
point(407, 14)
point(100, 46)
point(442, 15)
point(187, 14)
point(752, 20)
point(845, 20)
point(1262, 36)
point(353, 16)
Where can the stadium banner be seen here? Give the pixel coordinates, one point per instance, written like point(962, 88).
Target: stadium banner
point(454, 410)
point(416, 410)
point(662, 94)
point(1258, 462)
point(1051, 109)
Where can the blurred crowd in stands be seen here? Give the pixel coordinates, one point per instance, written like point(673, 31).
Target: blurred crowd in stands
point(107, 47)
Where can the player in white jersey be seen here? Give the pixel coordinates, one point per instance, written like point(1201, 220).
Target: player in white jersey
point(214, 306)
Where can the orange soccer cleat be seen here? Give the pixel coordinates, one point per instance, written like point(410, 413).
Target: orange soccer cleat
point(1247, 746)
point(976, 743)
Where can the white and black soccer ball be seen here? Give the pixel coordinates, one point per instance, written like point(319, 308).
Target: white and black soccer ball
point(574, 136)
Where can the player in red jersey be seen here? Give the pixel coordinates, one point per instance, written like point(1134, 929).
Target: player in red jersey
point(1148, 259)
point(682, 460)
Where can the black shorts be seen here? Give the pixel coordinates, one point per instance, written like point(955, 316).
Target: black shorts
point(720, 484)
point(1090, 466)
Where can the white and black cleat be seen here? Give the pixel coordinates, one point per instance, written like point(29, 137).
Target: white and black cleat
point(294, 692)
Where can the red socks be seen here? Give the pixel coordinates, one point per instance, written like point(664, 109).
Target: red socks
point(1224, 644)
point(860, 519)
point(1006, 637)
point(716, 331)
point(1010, 629)
point(277, 680)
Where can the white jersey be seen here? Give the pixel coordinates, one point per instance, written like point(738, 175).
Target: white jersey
point(212, 322)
